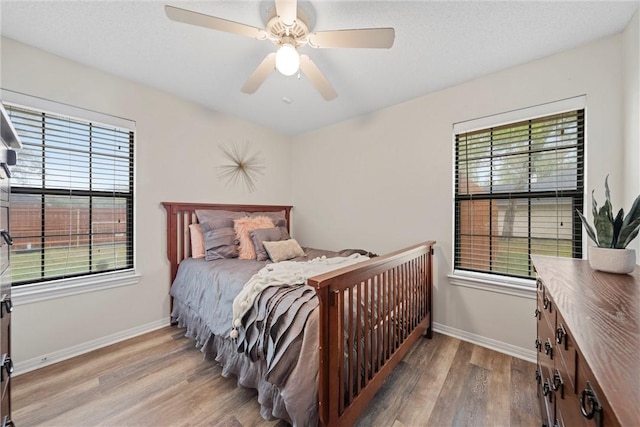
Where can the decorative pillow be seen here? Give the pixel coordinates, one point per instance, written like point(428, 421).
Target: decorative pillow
point(284, 234)
point(283, 250)
point(219, 235)
point(261, 235)
point(197, 241)
point(243, 227)
point(220, 243)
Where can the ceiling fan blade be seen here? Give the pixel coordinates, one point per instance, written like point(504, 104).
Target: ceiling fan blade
point(201, 20)
point(260, 74)
point(362, 38)
point(317, 79)
point(287, 11)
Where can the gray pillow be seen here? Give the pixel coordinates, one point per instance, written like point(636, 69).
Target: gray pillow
point(284, 234)
point(209, 219)
point(219, 236)
point(261, 235)
point(220, 243)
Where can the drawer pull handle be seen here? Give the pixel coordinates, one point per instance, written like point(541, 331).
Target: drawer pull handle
point(537, 313)
point(7, 422)
point(589, 405)
point(538, 376)
point(547, 304)
point(560, 335)
point(558, 384)
point(546, 390)
point(7, 366)
point(539, 283)
point(7, 237)
point(6, 306)
point(548, 349)
point(538, 344)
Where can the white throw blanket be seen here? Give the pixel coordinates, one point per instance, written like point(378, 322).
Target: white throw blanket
point(285, 273)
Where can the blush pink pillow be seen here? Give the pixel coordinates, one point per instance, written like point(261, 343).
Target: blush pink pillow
point(243, 227)
point(197, 241)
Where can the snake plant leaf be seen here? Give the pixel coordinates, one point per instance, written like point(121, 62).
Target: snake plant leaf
point(628, 233)
point(630, 224)
point(632, 236)
point(634, 212)
point(603, 223)
point(594, 204)
point(617, 225)
point(607, 193)
point(587, 227)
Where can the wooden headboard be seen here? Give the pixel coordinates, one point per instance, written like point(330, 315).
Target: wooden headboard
point(181, 215)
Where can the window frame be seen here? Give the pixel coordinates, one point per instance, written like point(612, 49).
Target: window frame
point(40, 290)
point(498, 282)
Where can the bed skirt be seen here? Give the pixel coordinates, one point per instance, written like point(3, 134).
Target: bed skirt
point(249, 374)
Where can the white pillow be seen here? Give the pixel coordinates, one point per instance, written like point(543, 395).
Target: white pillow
point(283, 250)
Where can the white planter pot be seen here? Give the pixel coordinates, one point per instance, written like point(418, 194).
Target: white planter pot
point(621, 261)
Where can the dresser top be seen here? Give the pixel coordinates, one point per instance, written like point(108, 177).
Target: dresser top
point(602, 312)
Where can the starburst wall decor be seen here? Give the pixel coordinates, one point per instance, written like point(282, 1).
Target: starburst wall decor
point(243, 167)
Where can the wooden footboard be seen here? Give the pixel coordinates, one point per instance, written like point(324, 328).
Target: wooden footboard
point(370, 315)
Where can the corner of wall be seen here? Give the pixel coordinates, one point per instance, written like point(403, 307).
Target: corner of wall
point(631, 115)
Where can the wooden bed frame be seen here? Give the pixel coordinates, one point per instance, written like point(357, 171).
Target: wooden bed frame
point(360, 347)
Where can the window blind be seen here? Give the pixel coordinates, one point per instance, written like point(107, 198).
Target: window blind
point(517, 188)
point(71, 198)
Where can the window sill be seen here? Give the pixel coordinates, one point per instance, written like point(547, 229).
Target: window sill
point(524, 288)
point(28, 294)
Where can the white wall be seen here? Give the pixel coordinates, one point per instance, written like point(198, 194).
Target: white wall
point(380, 182)
point(176, 158)
point(631, 117)
point(384, 181)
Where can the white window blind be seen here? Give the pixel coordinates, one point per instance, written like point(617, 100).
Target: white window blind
point(517, 188)
point(71, 198)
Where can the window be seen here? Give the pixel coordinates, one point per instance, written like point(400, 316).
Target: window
point(517, 188)
point(71, 198)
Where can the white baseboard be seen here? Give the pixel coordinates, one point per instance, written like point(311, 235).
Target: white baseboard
point(502, 347)
point(76, 350)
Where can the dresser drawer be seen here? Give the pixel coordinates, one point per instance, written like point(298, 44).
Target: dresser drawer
point(567, 354)
point(590, 399)
point(6, 365)
point(545, 406)
point(5, 334)
point(568, 411)
point(545, 346)
point(546, 336)
point(6, 409)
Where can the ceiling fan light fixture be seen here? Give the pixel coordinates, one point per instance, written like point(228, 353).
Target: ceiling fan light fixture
point(287, 59)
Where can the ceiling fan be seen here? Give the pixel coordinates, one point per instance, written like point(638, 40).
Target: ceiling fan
point(287, 28)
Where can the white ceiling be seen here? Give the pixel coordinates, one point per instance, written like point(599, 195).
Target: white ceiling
point(437, 45)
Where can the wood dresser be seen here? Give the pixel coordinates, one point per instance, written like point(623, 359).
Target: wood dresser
point(588, 344)
point(10, 140)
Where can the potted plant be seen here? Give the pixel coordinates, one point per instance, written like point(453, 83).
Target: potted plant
point(612, 235)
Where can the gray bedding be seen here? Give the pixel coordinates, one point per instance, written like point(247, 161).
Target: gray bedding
point(203, 294)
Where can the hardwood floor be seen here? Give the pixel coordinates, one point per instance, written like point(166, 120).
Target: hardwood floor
point(161, 379)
